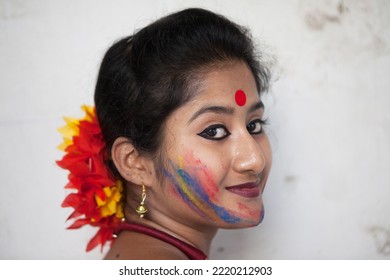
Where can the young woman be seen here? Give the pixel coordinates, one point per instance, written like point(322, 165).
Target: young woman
point(179, 107)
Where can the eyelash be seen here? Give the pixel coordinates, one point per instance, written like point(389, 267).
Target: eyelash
point(213, 128)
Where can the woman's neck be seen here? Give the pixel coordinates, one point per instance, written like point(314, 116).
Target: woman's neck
point(196, 235)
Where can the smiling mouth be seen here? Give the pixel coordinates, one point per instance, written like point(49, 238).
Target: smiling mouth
point(246, 190)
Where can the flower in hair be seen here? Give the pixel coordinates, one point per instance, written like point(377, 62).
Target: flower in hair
point(97, 196)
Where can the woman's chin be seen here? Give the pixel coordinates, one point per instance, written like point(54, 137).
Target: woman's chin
point(255, 219)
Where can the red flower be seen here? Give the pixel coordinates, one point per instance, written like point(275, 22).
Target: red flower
point(97, 196)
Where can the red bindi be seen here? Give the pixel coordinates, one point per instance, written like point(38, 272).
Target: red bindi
point(240, 97)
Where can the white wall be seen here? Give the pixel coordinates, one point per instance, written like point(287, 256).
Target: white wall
point(328, 196)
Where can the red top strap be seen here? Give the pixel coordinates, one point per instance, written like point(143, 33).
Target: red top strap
point(190, 251)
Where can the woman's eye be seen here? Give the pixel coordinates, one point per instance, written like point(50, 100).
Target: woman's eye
point(255, 127)
point(215, 132)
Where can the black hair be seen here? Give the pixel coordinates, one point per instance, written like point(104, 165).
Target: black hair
point(144, 77)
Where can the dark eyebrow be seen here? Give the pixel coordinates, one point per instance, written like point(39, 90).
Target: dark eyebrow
point(256, 106)
point(213, 109)
point(223, 110)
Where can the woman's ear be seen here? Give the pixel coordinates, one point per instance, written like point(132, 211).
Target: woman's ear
point(132, 166)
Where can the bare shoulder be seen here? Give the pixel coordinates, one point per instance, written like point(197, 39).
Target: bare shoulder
point(136, 246)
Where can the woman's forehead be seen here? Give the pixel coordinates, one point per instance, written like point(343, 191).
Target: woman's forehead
point(234, 81)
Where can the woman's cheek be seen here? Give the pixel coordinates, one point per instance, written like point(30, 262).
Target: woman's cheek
point(194, 185)
point(196, 192)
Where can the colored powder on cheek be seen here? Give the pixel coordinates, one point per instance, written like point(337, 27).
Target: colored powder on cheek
point(250, 213)
point(205, 177)
point(203, 202)
point(183, 192)
point(240, 97)
point(192, 192)
point(209, 185)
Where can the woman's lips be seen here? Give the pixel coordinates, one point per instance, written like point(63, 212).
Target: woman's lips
point(246, 190)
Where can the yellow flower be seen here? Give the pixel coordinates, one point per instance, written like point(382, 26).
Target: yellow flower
point(89, 112)
point(72, 128)
point(113, 202)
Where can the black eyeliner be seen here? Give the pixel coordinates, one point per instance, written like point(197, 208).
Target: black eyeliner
point(215, 126)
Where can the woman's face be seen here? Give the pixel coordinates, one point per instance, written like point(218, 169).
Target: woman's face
point(217, 154)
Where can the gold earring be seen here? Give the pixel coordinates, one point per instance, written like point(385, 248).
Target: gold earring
point(141, 209)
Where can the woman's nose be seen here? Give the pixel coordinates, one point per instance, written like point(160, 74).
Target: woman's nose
point(248, 155)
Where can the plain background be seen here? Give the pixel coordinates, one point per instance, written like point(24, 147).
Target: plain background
point(328, 196)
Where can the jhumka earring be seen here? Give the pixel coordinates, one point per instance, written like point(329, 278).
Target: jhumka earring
point(141, 209)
